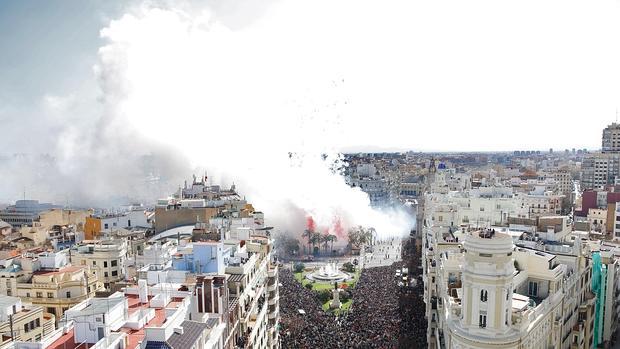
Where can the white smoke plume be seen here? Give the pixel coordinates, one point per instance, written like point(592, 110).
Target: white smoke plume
point(252, 106)
point(235, 86)
point(73, 153)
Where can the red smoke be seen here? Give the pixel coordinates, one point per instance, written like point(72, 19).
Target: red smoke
point(335, 228)
point(310, 225)
point(338, 229)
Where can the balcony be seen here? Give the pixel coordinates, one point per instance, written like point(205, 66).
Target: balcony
point(55, 301)
point(272, 272)
point(274, 314)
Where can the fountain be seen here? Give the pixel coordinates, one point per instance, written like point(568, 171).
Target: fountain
point(328, 273)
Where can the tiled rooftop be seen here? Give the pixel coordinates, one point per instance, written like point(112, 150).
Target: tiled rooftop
point(191, 332)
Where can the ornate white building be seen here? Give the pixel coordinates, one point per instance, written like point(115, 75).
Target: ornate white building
point(492, 288)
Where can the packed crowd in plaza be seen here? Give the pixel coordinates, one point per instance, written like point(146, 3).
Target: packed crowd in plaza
point(383, 315)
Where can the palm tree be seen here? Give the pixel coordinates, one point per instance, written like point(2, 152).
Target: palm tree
point(308, 234)
point(332, 238)
point(315, 239)
point(325, 241)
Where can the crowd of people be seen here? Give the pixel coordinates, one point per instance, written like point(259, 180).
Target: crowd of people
point(382, 315)
point(411, 303)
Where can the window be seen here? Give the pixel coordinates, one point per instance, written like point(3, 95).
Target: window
point(532, 289)
point(105, 274)
point(28, 294)
point(68, 294)
point(114, 263)
point(129, 222)
point(50, 295)
point(37, 322)
point(484, 295)
point(114, 273)
point(94, 262)
point(482, 322)
point(26, 328)
point(105, 226)
point(39, 294)
point(105, 264)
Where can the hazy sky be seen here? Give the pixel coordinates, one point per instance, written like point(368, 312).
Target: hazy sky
point(440, 75)
point(128, 98)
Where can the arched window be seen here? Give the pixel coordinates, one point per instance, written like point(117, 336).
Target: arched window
point(483, 295)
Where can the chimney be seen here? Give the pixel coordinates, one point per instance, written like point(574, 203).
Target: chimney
point(143, 291)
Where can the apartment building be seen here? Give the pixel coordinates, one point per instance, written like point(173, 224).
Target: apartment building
point(98, 225)
point(251, 277)
point(610, 141)
point(163, 316)
point(230, 257)
point(505, 287)
point(58, 290)
point(172, 213)
point(25, 212)
point(601, 169)
point(24, 323)
point(107, 257)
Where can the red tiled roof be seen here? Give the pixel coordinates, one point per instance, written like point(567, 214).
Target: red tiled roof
point(65, 341)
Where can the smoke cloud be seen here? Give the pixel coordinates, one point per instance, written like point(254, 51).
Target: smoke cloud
point(251, 105)
point(266, 95)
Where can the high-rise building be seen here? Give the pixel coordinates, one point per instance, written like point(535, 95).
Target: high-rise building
point(600, 169)
point(611, 139)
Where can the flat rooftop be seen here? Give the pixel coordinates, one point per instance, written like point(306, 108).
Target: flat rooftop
point(133, 336)
point(68, 269)
point(134, 305)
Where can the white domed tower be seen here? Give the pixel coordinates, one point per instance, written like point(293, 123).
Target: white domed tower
point(488, 272)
